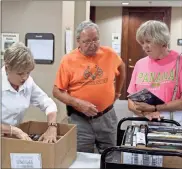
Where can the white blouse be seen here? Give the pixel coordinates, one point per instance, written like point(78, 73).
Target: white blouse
point(15, 103)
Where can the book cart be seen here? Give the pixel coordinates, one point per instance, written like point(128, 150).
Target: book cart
point(111, 157)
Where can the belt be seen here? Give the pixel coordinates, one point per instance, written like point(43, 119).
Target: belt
point(71, 110)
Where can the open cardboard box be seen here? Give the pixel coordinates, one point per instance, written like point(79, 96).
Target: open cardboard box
point(21, 153)
point(165, 161)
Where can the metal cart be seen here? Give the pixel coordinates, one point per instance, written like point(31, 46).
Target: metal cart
point(120, 132)
point(107, 163)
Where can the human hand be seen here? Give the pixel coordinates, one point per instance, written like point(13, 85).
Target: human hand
point(132, 107)
point(20, 134)
point(144, 107)
point(153, 115)
point(50, 135)
point(85, 107)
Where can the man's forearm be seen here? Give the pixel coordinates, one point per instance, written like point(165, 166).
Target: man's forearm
point(64, 97)
point(175, 105)
point(120, 78)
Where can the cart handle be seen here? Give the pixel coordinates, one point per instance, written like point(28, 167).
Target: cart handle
point(137, 151)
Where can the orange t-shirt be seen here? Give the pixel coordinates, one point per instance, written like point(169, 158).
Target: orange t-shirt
point(90, 78)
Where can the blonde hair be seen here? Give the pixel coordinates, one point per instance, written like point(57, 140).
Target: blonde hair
point(154, 30)
point(18, 57)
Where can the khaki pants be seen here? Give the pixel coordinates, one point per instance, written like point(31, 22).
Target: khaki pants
point(100, 132)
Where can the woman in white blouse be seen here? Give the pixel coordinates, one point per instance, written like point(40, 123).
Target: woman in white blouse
point(19, 91)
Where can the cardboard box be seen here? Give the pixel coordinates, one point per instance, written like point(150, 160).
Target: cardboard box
point(152, 160)
point(35, 153)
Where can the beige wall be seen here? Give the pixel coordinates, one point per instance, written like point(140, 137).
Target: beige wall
point(43, 16)
point(37, 16)
point(109, 20)
point(176, 28)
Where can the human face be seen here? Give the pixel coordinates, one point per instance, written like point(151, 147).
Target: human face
point(89, 41)
point(17, 78)
point(155, 51)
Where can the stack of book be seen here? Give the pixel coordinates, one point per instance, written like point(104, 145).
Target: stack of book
point(153, 136)
point(164, 137)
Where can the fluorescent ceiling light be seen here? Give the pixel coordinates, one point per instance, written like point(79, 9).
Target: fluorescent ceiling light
point(125, 3)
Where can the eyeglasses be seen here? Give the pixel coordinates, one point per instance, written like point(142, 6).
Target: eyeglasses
point(91, 42)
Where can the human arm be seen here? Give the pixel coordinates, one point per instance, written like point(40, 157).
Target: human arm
point(60, 91)
point(120, 78)
point(14, 131)
point(175, 105)
point(82, 106)
point(41, 100)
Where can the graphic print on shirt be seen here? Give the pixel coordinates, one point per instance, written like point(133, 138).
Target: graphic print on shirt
point(155, 79)
point(97, 73)
point(93, 76)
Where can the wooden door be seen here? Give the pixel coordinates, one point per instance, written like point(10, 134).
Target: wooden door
point(131, 51)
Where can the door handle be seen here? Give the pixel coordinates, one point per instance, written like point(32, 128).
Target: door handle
point(130, 66)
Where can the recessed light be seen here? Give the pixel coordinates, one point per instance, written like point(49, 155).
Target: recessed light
point(125, 3)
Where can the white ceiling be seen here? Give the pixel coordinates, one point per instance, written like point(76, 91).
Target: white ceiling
point(137, 3)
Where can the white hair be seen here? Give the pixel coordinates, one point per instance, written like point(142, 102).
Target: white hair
point(157, 31)
point(19, 57)
point(85, 25)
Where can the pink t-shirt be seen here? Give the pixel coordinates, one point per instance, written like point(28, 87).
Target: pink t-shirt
point(158, 76)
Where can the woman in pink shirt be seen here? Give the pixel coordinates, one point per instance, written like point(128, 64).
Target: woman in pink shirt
point(157, 71)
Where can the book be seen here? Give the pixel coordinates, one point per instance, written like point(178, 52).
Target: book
point(145, 96)
point(169, 129)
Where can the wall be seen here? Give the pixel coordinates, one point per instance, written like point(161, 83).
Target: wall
point(176, 28)
point(37, 16)
point(109, 20)
point(53, 16)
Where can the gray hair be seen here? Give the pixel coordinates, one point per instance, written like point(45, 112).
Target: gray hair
point(156, 30)
point(85, 25)
point(18, 57)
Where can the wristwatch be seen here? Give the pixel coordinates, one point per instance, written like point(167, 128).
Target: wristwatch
point(52, 124)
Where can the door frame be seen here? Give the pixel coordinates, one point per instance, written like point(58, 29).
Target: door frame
point(93, 13)
point(124, 32)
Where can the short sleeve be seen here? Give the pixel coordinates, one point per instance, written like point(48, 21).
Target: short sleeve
point(132, 85)
point(62, 76)
point(117, 61)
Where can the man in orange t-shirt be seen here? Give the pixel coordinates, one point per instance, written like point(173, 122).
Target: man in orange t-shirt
point(85, 83)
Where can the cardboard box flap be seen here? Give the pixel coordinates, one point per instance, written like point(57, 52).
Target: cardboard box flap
point(53, 155)
point(67, 146)
point(64, 128)
point(25, 126)
point(35, 127)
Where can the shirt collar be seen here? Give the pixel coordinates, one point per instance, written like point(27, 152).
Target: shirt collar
point(5, 83)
